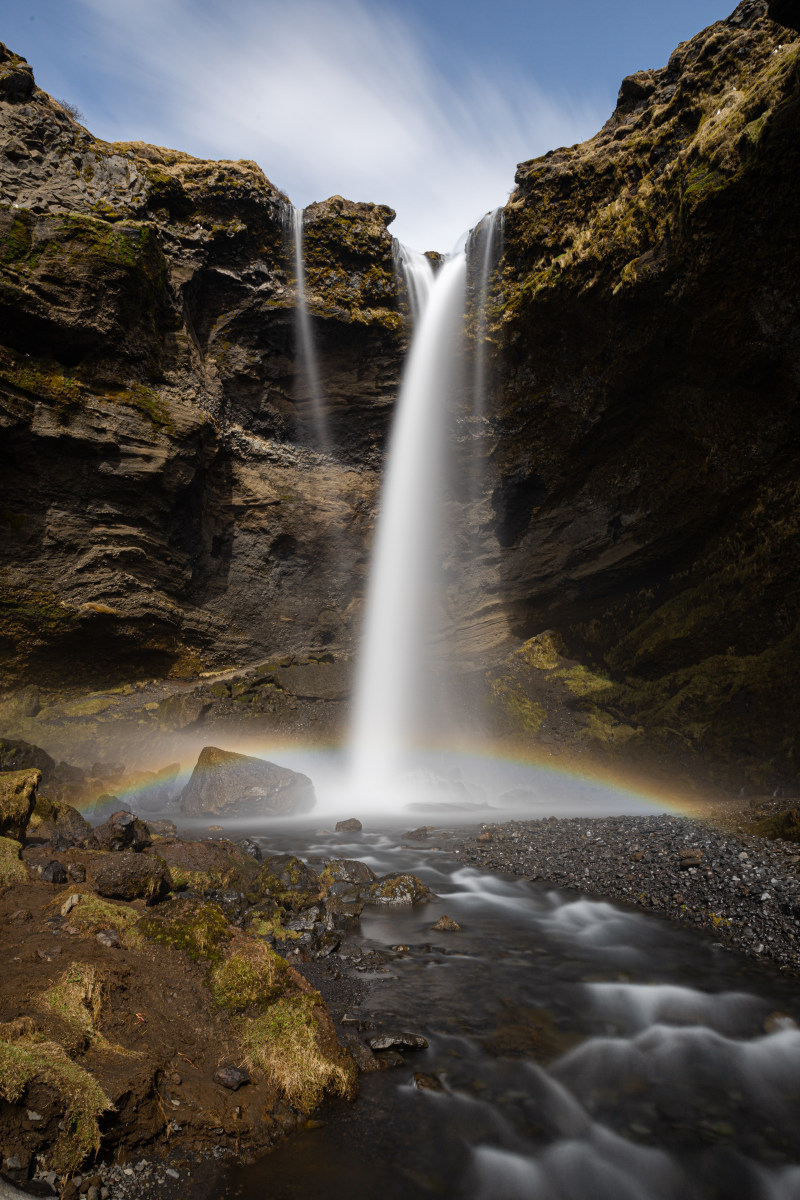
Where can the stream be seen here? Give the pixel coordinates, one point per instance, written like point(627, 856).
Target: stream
point(577, 1050)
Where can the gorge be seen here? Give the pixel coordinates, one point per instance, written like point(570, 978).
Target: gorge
point(515, 524)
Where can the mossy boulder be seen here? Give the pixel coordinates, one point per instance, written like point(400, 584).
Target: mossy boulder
point(289, 882)
point(208, 866)
point(347, 870)
point(398, 889)
point(224, 783)
point(200, 930)
point(57, 821)
point(18, 755)
point(17, 802)
point(126, 875)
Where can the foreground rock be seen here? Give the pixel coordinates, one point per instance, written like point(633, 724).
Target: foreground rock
point(237, 785)
point(17, 802)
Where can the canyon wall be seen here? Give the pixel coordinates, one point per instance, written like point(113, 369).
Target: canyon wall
point(165, 504)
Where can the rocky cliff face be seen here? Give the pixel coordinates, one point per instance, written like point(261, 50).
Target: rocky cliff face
point(166, 507)
point(647, 449)
point(162, 502)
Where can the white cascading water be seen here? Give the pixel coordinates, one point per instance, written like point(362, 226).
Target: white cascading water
point(485, 244)
point(307, 355)
point(391, 715)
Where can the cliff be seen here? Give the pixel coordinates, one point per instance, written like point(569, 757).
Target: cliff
point(163, 503)
point(167, 508)
point(646, 459)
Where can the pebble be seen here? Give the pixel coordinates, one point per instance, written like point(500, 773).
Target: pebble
point(744, 889)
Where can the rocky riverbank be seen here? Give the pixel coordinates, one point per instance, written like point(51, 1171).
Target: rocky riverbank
point(742, 888)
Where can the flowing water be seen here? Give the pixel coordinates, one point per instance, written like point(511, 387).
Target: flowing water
point(577, 1051)
point(310, 381)
point(394, 685)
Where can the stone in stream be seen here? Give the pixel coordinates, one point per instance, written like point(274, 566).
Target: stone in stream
point(416, 835)
point(229, 784)
point(398, 889)
point(393, 1041)
point(351, 825)
point(446, 924)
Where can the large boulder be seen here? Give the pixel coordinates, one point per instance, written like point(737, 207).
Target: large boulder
point(17, 755)
point(208, 866)
point(17, 802)
point(231, 784)
point(122, 831)
point(57, 821)
point(126, 875)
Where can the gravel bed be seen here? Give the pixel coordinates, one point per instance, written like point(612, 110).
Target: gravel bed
point(745, 890)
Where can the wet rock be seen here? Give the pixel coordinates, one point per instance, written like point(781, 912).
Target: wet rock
point(58, 822)
point(351, 825)
point(122, 831)
point(17, 802)
point(446, 924)
point(344, 905)
point(236, 784)
point(428, 1083)
point(231, 1077)
point(391, 1041)
point(416, 835)
point(347, 870)
point(126, 875)
point(289, 881)
point(363, 1057)
point(167, 829)
point(251, 847)
point(398, 889)
point(690, 856)
point(53, 872)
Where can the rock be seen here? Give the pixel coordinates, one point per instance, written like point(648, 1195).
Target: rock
point(484, 837)
point(351, 825)
point(70, 903)
point(49, 953)
point(76, 872)
point(289, 881)
point(344, 905)
point(53, 872)
point(183, 710)
point(363, 1057)
point(690, 856)
point(236, 784)
point(122, 831)
point(347, 870)
point(428, 1083)
point(398, 889)
point(391, 1041)
point(17, 802)
point(126, 875)
point(231, 1077)
point(166, 829)
point(251, 847)
point(108, 938)
point(16, 755)
point(57, 821)
point(417, 835)
point(446, 924)
point(208, 866)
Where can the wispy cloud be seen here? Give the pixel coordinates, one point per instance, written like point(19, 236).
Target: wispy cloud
point(342, 98)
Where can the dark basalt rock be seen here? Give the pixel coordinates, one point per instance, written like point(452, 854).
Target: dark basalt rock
point(122, 831)
point(234, 784)
point(125, 875)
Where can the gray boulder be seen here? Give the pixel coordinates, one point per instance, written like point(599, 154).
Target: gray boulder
point(228, 784)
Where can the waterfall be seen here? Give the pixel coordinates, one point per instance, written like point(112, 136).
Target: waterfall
point(310, 384)
point(391, 714)
point(484, 249)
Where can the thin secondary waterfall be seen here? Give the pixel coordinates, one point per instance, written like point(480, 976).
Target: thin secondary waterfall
point(391, 714)
point(484, 248)
point(310, 376)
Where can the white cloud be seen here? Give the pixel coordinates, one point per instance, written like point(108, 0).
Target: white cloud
point(327, 99)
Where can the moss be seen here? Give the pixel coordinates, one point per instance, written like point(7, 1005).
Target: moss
point(526, 715)
point(15, 246)
point(12, 868)
point(88, 707)
point(249, 978)
point(76, 1000)
point(581, 681)
point(92, 912)
point(29, 1062)
point(263, 926)
point(201, 931)
point(784, 826)
point(43, 379)
point(149, 403)
point(284, 1043)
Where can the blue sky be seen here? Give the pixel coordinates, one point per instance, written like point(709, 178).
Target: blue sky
point(426, 106)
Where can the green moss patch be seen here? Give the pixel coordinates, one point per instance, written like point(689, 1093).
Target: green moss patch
point(252, 976)
point(28, 1062)
point(12, 868)
point(285, 1044)
point(200, 930)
